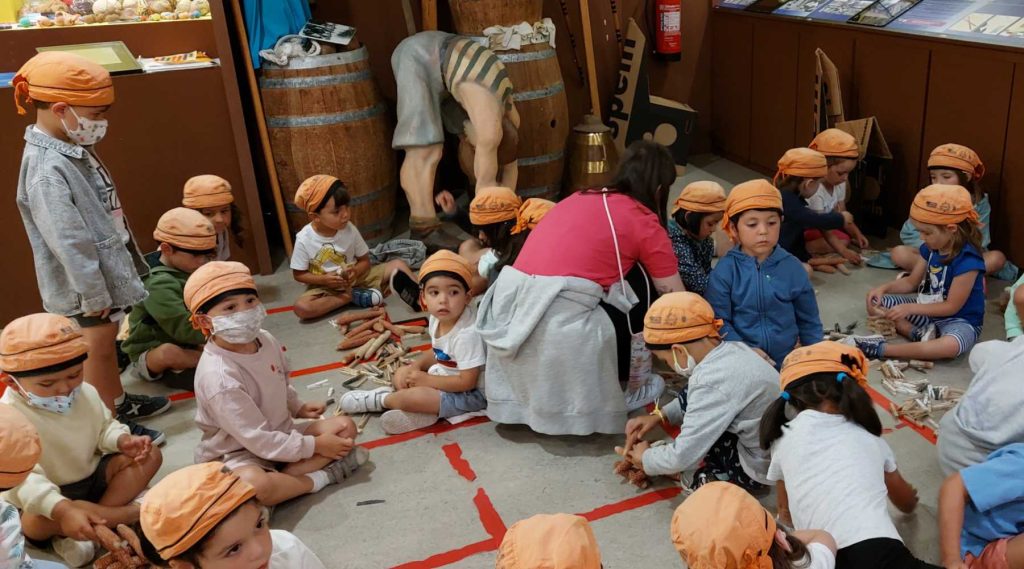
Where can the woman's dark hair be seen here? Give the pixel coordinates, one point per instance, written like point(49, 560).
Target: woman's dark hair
point(645, 173)
point(192, 555)
point(505, 245)
point(52, 368)
point(224, 296)
point(236, 225)
point(449, 274)
point(810, 392)
point(339, 192)
point(789, 183)
point(690, 220)
point(783, 560)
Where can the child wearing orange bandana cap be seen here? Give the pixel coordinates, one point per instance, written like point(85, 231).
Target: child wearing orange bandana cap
point(696, 214)
point(211, 196)
point(549, 541)
point(943, 319)
point(86, 260)
point(957, 165)
point(832, 467)
point(842, 154)
point(728, 389)
point(722, 527)
point(246, 407)
point(205, 516)
point(162, 344)
point(442, 383)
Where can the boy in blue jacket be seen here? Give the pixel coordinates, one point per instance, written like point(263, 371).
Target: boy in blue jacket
point(761, 292)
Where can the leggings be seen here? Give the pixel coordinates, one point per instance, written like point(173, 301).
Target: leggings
point(879, 553)
point(644, 289)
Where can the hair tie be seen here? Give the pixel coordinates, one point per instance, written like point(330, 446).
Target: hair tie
point(784, 396)
point(841, 377)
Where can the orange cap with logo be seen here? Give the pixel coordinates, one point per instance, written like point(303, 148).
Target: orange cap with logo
point(826, 356)
point(38, 341)
point(494, 205)
point(940, 204)
point(62, 77)
point(680, 317)
point(721, 526)
point(704, 196)
point(530, 213)
point(313, 190)
point(446, 261)
point(803, 163)
point(957, 157)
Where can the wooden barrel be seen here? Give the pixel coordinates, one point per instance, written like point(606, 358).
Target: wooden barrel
point(325, 115)
point(472, 17)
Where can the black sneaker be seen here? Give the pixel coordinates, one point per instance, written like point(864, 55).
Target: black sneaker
point(407, 289)
point(135, 407)
point(123, 361)
point(154, 435)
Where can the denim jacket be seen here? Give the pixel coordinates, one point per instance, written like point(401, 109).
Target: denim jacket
point(82, 263)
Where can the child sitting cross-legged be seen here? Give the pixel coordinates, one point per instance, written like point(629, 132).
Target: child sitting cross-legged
point(211, 196)
point(91, 468)
point(728, 389)
point(761, 292)
point(558, 541)
point(832, 467)
point(442, 383)
point(696, 214)
point(332, 259)
point(944, 319)
point(722, 527)
point(245, 404)
point(162, 343)
point(842, 154)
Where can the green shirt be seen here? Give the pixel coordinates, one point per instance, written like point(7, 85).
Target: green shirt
point(162, 318)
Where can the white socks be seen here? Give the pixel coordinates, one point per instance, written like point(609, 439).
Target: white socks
point(320, 480)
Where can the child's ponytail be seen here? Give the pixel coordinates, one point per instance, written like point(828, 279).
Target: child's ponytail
point(782, 559)
point(773, 420)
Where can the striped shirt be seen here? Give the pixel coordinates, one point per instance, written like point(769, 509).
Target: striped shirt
point(466, 60)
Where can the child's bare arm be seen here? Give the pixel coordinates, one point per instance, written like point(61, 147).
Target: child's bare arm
point(816, 536)
point(465, 381)
point(952, 499)
point(901, 493)
point(329, 281)
point(782, 503)
point(959, 292)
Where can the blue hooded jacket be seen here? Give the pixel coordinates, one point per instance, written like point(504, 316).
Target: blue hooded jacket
point(769, 306)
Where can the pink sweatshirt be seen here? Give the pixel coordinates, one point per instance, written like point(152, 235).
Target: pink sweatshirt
point(246, 401)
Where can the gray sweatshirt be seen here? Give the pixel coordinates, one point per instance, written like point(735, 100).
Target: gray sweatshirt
point(728, 392)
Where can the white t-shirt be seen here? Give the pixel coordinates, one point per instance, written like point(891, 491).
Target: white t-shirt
point(824, 201)
point(834, 473)
point(323, 255)
point(821, 557)
point(461, 348)
point(290, 553)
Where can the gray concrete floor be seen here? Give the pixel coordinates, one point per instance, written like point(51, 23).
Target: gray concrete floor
point(433, 517)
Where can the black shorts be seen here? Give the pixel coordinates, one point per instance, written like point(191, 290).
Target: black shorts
point(879, 553)
point(92, 488)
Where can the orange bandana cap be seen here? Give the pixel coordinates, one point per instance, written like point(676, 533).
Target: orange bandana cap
point(188, 504)
point(824, 356)
point(207, 191)
point(957, 157)
point(704, 197)
point(837, 143)
point(494, 205)
point(530, 213)
point(755, 194)
point(721, 526)
point(19, 447)
point(680, 317)
point(446, 261)
point(186, 228)
point(940, 204)
point(61, 77)
point(214, 278)
point(549, 541)
point(803, 163)
point(40, 340)
point(313, 191)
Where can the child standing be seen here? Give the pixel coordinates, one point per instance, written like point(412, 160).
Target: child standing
point(719, 410)
point(559, 541)
point(761, 292)
point(87, 263)
point(722, 527)
point(205, 517)
point(91, 468)
point(695, 215)
point(981, 513)
point(162, 344)
point(842, 153)
point(245, 405)
point(957, 165)
point(211, 196)
point(446, 381)
point(332, 259)
point(798, 178)
point(944, 319)
point(832, 467)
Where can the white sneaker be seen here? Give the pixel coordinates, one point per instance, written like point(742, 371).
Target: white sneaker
point(364, 401)
point(644, 394)
point(396, 422)
point(75, 553)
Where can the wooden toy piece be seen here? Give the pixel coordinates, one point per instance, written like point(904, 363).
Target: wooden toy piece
point(633, 474)
point(350, 343)
point(356, 316)
point(882, 325)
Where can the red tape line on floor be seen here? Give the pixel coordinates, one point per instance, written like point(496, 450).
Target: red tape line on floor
point(489, 517)
point(460, 465)
point(449, 557)
point(631, 503)
point(884, 402)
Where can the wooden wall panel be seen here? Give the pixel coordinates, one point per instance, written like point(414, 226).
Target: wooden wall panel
point(773, 97)
point(1008, 211)
point(731, 61)
point(892, 84)
point(839, 46)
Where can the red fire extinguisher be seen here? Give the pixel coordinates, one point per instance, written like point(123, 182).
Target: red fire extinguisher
point(668, 41)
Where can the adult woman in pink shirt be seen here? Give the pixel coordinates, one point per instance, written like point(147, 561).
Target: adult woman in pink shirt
point(558, 322)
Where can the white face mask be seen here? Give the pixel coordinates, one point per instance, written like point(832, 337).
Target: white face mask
point(89, 131)
point(690, 364)
point(240, 327)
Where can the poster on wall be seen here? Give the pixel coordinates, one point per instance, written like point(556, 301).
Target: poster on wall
point(882, 12)
point(987, 21)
